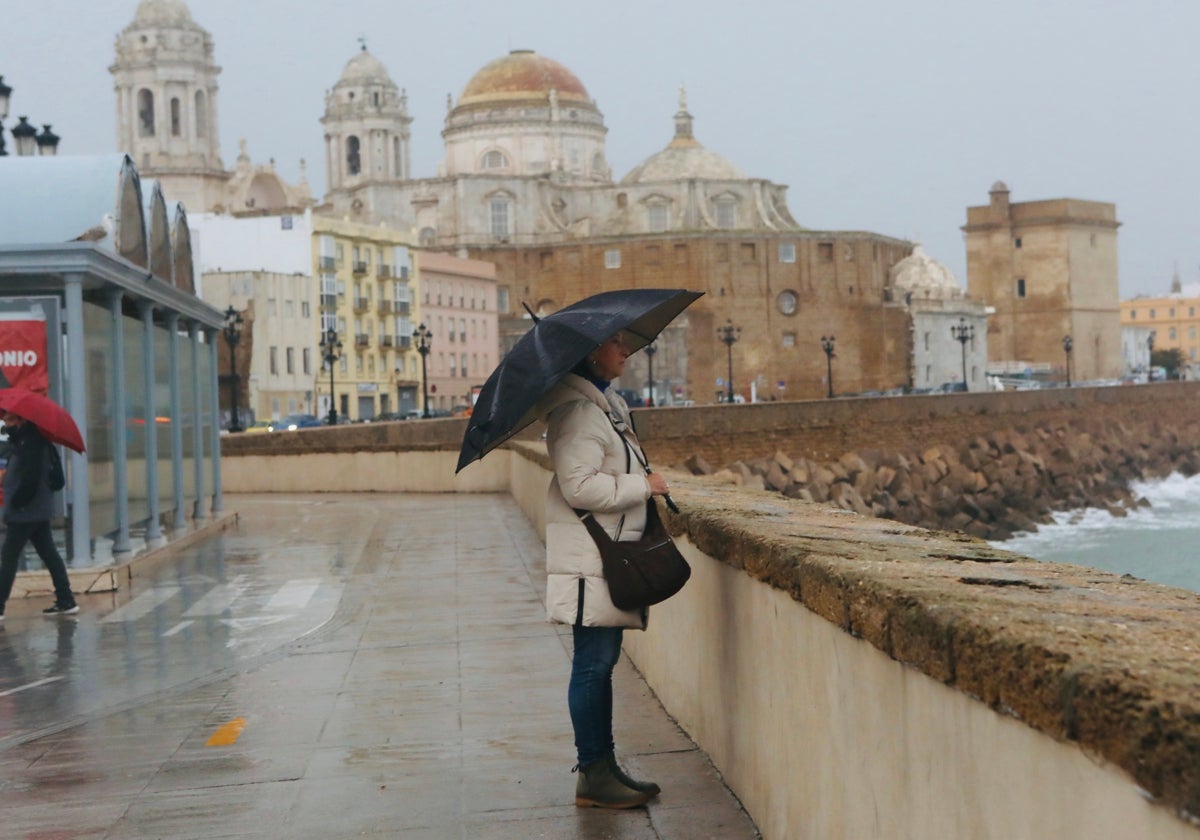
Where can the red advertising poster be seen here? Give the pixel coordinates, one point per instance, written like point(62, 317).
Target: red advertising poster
point(23, 354)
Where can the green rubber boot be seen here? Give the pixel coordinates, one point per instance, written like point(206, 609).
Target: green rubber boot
point(598, 787)
point(629, 782)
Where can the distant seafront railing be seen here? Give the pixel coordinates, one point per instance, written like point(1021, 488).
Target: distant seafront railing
point(853, 677)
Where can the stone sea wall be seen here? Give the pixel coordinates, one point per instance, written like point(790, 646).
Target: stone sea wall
point(990, 486)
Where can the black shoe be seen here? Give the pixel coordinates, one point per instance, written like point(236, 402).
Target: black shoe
point(62, 609)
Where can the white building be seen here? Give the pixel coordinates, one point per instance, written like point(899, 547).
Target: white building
point(949, 330)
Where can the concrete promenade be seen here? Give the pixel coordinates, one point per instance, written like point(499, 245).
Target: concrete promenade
point(417, 693)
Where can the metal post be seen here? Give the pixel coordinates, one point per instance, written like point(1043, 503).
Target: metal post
point(1068, 344)
point(218, 500)
point(150, 416)
point(79, 492)
point(827, 344)
point(179, 519)
point(963, 333)
point(199, 513)
point(120, 424)
point(423, 341)
point(729, 335)
point(650, 351)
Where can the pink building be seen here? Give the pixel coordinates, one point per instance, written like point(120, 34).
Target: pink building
point(458, 307)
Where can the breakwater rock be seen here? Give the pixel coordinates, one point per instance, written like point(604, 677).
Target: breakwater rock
point(992, 486)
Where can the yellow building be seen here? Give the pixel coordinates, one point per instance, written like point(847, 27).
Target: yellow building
point(1174, 318)
point(366, 283)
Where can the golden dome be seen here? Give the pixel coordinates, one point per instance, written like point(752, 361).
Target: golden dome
point(523, 75)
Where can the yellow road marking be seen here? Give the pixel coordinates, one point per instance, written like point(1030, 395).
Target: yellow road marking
point(227, 733)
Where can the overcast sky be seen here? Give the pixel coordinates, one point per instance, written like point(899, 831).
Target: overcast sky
point(878, 115)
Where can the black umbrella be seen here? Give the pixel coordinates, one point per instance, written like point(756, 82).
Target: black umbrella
point(555, 345)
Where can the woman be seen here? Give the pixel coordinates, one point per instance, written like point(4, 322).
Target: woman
point(598, 467)
point(27, 510)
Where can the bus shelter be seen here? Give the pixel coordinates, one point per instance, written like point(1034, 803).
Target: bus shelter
point(93, 260)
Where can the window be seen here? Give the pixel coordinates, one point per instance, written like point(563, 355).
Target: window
point(1132, 314)
point(176, 129)
point(926, 336)
point(787, 252)
point(825, 251)
point(726, 214)
point(499, 217)
point(1171, 334)
point(290, 359)
point(789, 339)
point(1017, 242)
point(501, 298)
point(656, 218)
point(1171, 312)
point(463, 365)
point(453, 365)
point(306, 360)
point(289, 309)
point(749, 252)
point(494, 160)
point(304, 312)
point(786, 301)
point(1192, 332)
point(201, 115)
point(681, 254)
point(1020, 287)
point(723, 252)
point(353, 158)
point(272, 307)
point(612, 258)
point(145, 105)
point(1152, 313)
point(274, 360)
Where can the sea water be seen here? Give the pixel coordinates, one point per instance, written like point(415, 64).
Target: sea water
point(1158, 543)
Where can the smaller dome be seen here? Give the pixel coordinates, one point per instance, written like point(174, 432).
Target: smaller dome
point(999, 186)
point(159, 12)
point(684, 157)
point(365, 68)
point(924, 277)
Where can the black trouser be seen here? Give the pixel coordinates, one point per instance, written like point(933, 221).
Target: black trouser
point(37, 533)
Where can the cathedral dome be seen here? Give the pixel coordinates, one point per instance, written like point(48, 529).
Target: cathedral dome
point(365, 68)
point(924, 277)
point(159, 12)
point(683, 158)
point(523, 75)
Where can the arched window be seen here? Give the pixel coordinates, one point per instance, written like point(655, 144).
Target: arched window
point(726, 213)
point(495, 160)
point(175, 117)
point(427, 237)
point(353, 159)
point(598, 167)
point(656, 218)
point(201, 115)
point(145, 113)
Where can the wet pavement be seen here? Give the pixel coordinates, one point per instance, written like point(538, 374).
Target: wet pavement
point(335, 666)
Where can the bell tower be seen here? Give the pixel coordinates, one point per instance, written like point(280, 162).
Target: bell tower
point(165, 81)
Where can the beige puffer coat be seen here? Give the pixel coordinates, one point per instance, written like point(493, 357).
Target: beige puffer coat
point(596, 469)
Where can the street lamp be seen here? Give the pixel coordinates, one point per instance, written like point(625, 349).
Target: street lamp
point(650, 351)
point(423, 337)
point(827, 346)
point(962, 334)
point(332, 350)
point(1068, 344)
point(233, 334)
point(729, 334)
point(26, 140)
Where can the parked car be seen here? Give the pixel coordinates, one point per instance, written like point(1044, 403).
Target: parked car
point(258, 426)
point(293, 422)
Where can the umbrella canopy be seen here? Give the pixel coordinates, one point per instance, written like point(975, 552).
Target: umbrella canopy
point(555, 345)
point(51, 419)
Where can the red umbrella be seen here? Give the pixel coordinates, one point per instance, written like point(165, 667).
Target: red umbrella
point(51, 419)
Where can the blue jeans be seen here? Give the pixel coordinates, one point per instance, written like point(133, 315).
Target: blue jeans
point(590, 695)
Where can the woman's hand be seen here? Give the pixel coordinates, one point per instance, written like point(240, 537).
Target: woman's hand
point(658, 484)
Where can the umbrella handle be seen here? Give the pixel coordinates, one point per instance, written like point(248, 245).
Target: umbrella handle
point(666, 496)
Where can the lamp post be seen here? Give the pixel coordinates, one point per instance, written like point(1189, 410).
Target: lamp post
point(963, 333)
point(729, 334)
point(423, 338)
point(26, 140)
point(233, 334)
point(1068, 344)
point(827, 346)
point(650, 351)
point(331, 349)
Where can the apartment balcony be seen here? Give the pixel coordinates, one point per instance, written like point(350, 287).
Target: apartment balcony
point(386, 340)
point(385, 307)
point(403, 272)
point(403, 342)
point(328, 263)
point(362, 340)
point(362, 304)
point(360, 267)
point(329, 301)
point(383, 271)
point(402, 307)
